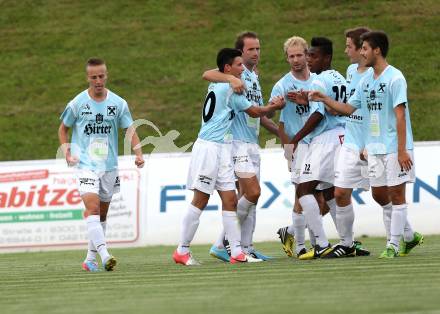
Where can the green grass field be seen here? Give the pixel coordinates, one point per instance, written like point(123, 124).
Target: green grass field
point(157, 51)
point(147, 281)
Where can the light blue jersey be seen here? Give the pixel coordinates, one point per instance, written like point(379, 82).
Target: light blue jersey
point(95, 129)
point(220, 107)
point(380, 96)
point(293, 116)
point(355, 124)
point(332, 84)
point(245, 128)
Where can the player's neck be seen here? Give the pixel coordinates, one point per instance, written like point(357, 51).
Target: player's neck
point(303, 75)
point(249, 67)
point(361, 68)
point(379, 67)
point(97, 97)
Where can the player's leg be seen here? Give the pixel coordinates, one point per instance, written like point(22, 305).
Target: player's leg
point(94, 227)
point(313, 219)
point(250, 193)
point(90, 260)
point(381, 196)
point(202, 176)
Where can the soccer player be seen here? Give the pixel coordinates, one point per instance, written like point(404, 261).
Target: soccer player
point(389, 144)
point(292, 119)
point(350, 169)
point(95, 116)
point(245, 149)
point(326, 131)
point(211, 160)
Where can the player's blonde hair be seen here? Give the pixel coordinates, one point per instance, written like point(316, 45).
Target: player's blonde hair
point(295, 41)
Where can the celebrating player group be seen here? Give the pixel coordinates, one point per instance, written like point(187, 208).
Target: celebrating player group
point(338, 134)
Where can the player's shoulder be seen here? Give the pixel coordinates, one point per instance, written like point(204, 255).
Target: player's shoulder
point(79, 100)
point(115, 99)
point(219, 87)
point(394, 74)
point(351, 70)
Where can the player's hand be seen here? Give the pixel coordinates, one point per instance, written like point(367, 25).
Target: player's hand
point(315, 95)
point(279, 102)
point(404, 160)
point(237, 85)
point(300, 97)
point(71, 160)
point(363, 155)
point(139, 161)
point(288, 152)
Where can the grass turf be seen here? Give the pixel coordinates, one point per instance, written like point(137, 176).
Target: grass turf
point(147, 280)
point(157, 51)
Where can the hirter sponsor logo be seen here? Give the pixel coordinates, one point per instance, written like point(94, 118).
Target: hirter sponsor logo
point(94, 128)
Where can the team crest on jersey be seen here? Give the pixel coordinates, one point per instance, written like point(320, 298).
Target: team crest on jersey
point(372, 95)
point(111, 110)
point(99, 118)
point(382, 88)
point(254, 86)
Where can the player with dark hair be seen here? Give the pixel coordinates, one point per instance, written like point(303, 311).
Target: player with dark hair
point(211, 166)
point(389, 143)
point(245, 149)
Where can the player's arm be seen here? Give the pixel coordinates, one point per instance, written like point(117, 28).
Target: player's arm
point(340, 107)
point(308, 127)
point(403, 157)
point(269, 125)
point(63, 137)
point(216, 76)
point(282, 134)
point(136, 146)
point(276, 103)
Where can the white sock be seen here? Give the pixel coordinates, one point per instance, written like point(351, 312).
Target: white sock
point(332, 205)
point(232, 229)
point(96, 234)
point(253, 212)
point(311, 237)
point(243, 207)
point(91, 251)
point(313, 218)
point(408, 232)
point(299, 224)
point(247, 231)
point(345, 219)
point(219, 242)
point(387, 210)
point(291, 228)
point(398, 220)
point(190, 224)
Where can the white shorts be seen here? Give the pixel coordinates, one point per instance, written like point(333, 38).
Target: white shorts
point(296, 162)
point(211, 167)
point(384, 170)
point(246, 158)
point(351, 172)
point(105, 184)
point(319, 162)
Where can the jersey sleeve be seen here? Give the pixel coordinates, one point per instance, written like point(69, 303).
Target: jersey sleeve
point(277, 90)
point(398, 91)
point(69, 115)
point(125, 119)
point(355, 99)
point(240, 102)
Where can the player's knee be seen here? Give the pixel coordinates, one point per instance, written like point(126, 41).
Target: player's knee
point(342, 196)
point(253, 194)
point(380, 198)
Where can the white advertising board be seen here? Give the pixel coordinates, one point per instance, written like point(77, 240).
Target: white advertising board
point(40, 207)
